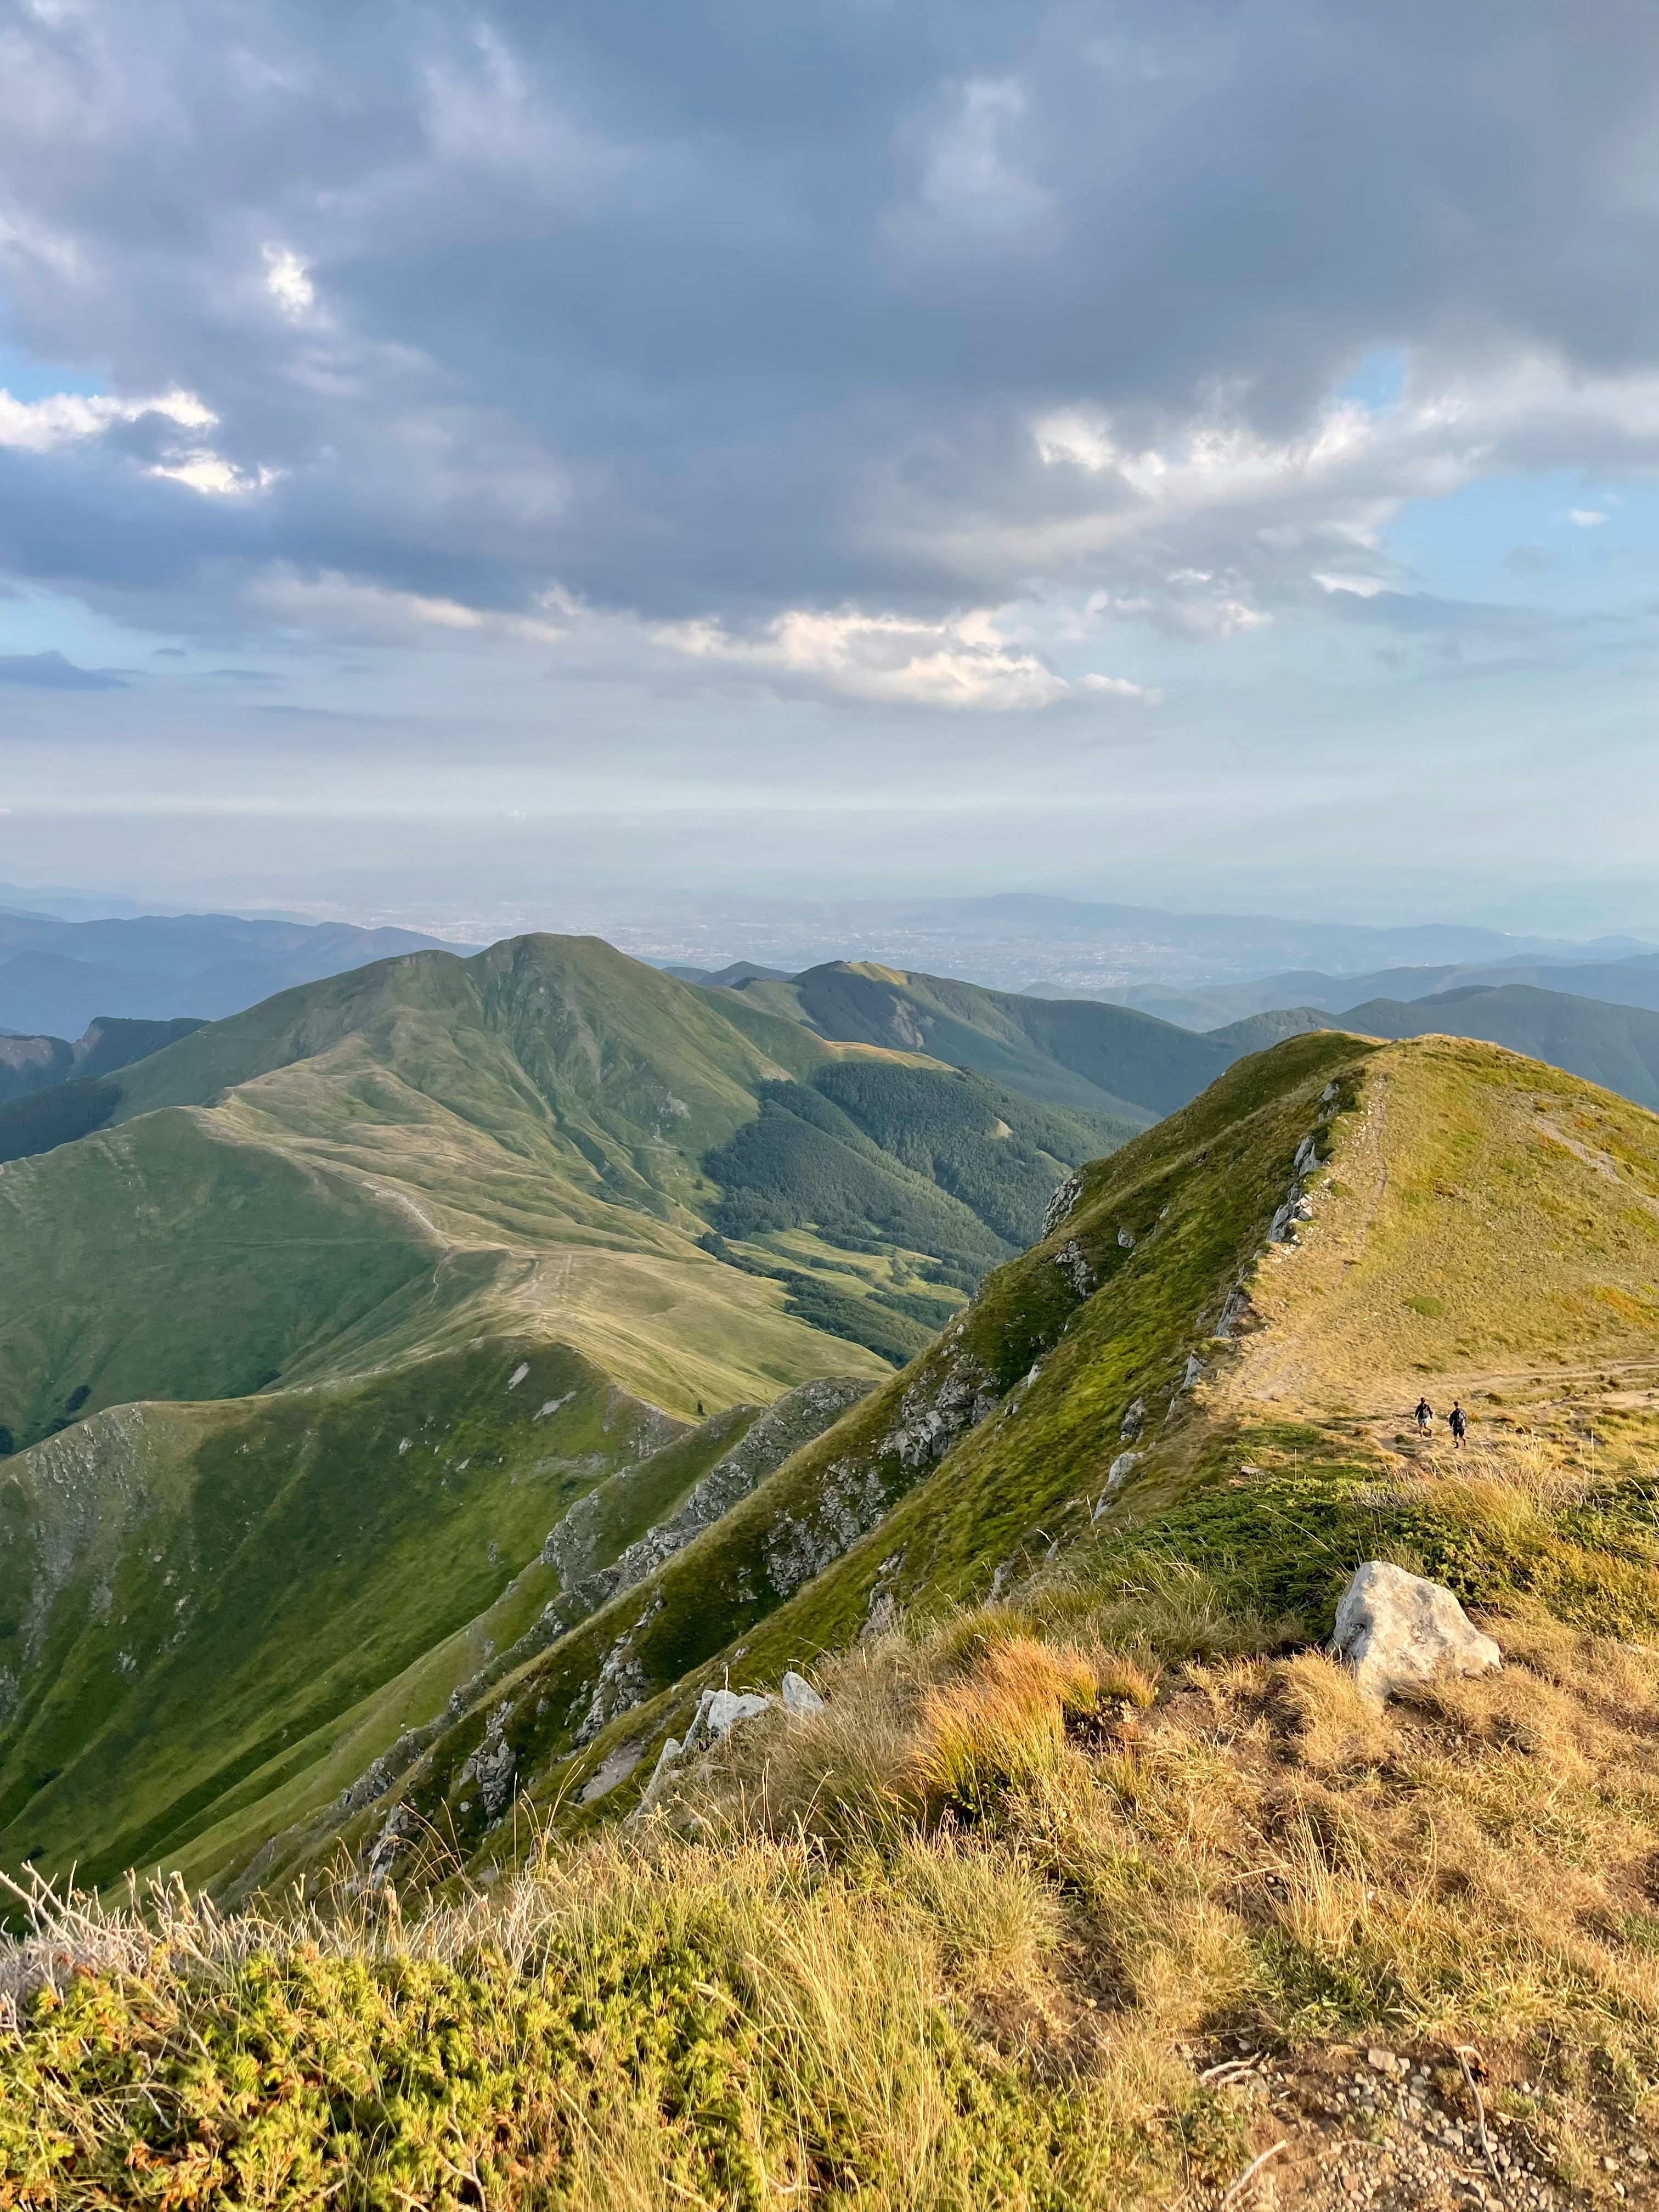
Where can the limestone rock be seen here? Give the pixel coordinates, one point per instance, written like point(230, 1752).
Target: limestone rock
point(799, 1698)
point(1060, 1204)
point(1133, 1421)
point(718, 1712)
point(1117, 1474)
point(667, 1766)
point(1397, 1630)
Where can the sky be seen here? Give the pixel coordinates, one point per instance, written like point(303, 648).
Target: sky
point(1191, 453)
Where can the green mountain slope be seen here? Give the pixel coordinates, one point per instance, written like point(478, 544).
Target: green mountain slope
point(305, 1352)
point(1255, 1032)
point(1074, 1052)
point(33, 1063)
point(36, 1063)
point(1272, 1274)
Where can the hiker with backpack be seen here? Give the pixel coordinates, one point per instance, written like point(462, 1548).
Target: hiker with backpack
point(1424, 1417)
point(1458, 1421)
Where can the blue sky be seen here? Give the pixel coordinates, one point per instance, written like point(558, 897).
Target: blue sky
point(1195, 454)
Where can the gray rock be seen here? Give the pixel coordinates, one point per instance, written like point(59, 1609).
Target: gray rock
point(1133, 1421)
point(718, 1712)
point(1064, 1199)
point(1234, 1308)
point(1117, 1474)
point(935, 1410)
point(667, 1766)
point(799, 1698)
point(615, 1767)
point(492, 1765)
point(1397, 1631)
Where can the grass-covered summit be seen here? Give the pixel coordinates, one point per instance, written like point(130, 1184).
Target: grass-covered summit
point(1062, 1052)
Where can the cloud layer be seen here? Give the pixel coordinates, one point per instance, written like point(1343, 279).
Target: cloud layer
point(809, 354)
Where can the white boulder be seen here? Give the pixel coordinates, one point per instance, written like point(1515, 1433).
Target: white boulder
point(799, 1698)
point(1397, 1631)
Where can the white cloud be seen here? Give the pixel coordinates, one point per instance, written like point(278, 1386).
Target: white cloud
point(1122, 688)
point(206, 471)
point(961, 662)
point(1202, 526)
point(69, 418)
point(1363, 587)
point(65, 418)
point(289, 282)
point(964, 663)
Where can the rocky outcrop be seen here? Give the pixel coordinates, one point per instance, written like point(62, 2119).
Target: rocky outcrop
point(1399, 1631)
point(800, 1700)
point(1116, 1475)
point(937, 1408)
point(719, 1711)
point(1064, 1199)
point(794, 1420)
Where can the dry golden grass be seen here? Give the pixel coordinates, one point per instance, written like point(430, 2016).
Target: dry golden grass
point(1053, 1878)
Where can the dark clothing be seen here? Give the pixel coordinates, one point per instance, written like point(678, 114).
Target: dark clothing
point(1425, 1414)
point(1459, 1422)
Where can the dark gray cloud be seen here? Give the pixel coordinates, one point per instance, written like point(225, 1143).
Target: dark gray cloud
point(721, 312)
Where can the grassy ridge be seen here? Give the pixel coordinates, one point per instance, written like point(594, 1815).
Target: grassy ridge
point(1616, 1046)
point(205, 1591)
point(1102, 1059)
point(794, 1568)
point(1118, 1309)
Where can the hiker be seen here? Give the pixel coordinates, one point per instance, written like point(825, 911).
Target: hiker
point(1425, 1416)
point(1459, 1423)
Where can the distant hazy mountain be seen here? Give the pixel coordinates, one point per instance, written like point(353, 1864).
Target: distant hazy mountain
point(1078, 946)
point(1632, 981)
point(57, 976)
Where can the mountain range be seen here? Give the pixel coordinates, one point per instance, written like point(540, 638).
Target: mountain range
point(419, 1257)
point(57, 976)
point(1632, 981)
point(400, 1263)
